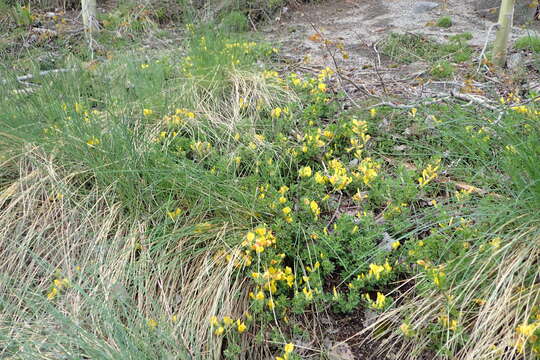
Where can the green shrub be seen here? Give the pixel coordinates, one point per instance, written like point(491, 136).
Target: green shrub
point(531, 43)
point(444, 22)
point(442, 70)
point(235, 21)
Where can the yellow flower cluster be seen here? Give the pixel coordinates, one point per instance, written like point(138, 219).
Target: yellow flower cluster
point(311, 142)
point(367, 171)
point(93, 141)
point(259, 239)
point(58, 286)
point(305, 171)
point(226, 323)
point(450, 324)
point(375, 272)
point(429, 174)
point(268, 279)
point(179, 117)
point(379, 303)
point(174, 214)
point(278, 112)
point(339, 178)
point(288, 349)
point(201, 147)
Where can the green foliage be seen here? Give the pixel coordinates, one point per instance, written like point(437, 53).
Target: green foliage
point(407, 48)
point(442, 70)
point(531, 43)
point(444, 22)
point(235, 21)
point(22, 15)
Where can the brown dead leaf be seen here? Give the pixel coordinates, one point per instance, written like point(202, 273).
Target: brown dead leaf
point(315, 37)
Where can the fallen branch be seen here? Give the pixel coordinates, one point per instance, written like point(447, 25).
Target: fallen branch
point(338, 71)
point(41, 73)
point(475, 99)
point(409, 106)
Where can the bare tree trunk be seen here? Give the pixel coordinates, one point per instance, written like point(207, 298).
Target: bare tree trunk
point(506, 16)
point(89, 15)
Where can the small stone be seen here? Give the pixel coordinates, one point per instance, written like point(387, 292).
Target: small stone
point(386, 243)
point(424, 6)
point(515, 61)
point(340, 352)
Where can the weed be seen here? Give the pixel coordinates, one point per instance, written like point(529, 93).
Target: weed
point(408, 48)
point(531, 43)
point(442, 70)
point(444, 22)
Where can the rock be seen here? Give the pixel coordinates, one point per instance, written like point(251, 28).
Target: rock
point(424, 6)
point(370, 317)
point(340, 352)
point(515, 61)
point(386, 243)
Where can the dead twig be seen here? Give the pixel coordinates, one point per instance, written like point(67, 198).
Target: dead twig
point(483, 52)
point(338, 71)
point(377, 66)
point(475, 99)
point(41, 73)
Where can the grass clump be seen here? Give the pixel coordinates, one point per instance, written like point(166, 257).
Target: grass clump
point(408, 48)
point(531, 43)
point(444, 22)
point(442, 70)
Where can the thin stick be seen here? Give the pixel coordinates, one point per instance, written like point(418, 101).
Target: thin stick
point(482, 54)
point(338, 71)
point(41, 73)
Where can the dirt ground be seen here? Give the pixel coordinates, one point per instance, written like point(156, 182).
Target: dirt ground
point(361, 24)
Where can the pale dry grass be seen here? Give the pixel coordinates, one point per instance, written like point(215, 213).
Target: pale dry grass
point(505, 280)
point(111, 264)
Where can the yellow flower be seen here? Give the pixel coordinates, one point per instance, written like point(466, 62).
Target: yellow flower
point(496, 243)
point(376, 270)
point(260, 295)
point(214, 320)
point(93, 141)
point(152, 323)
point(282, 200)
point(307, 293)
point(395, 245)
point(227, 320)
point(439, 278)
point(282, 190)
point(289, 348)
point(51, 295)
point(305, 171)
point(322, 87)
point(275, 113)
point(174, 214)
point(315, 208)
point(286, 210)
point(527, 330)
point(147, 112)
point(373, 112)
point(271, 304)
point(406, 329)
point(144, 66)
point(413, 112)
point(240, 326)
point(219, 331)
point(319, 178)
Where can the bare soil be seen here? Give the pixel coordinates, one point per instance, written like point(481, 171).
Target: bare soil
point(360, 26)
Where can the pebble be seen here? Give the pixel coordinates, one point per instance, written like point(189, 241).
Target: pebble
point(424, 6)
